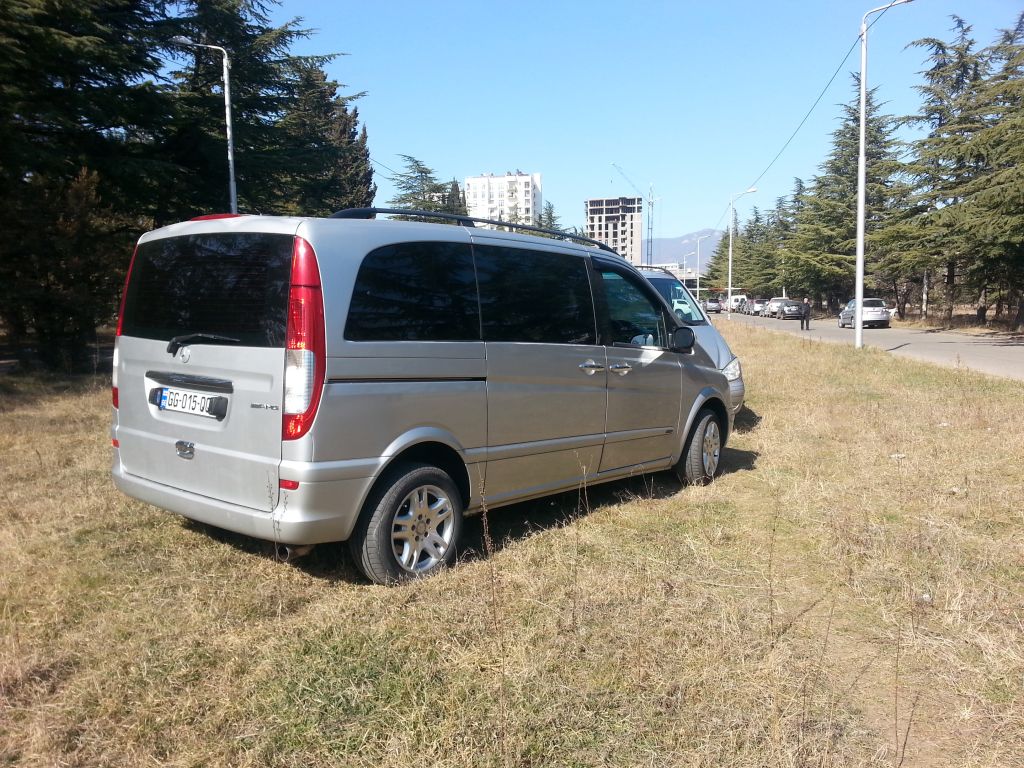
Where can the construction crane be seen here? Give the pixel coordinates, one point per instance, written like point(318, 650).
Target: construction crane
point(650, 211)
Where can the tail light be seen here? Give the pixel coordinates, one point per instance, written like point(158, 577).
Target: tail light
point(114, 399)
point(305, 353)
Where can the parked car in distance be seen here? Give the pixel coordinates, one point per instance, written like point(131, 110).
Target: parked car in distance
point(738, 300)
point(772, 308)
point(304, 380)
point(875, 314)
point(713, 305)
point(757, 306)
point(708, 337)
point(789, 310)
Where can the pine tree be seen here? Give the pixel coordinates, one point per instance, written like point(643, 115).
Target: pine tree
point(76, 116)
point(821, 255)
point(326, 160)
point(941, 168)
point(548, 218)
point(416, 187)
point(990, 208)
point(266, 82)
point(716, 276)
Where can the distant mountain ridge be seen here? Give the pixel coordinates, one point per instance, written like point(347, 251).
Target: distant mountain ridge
point(672, 250)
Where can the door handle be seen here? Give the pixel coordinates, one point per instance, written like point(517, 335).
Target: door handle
point(590, 367)
point(620, 368)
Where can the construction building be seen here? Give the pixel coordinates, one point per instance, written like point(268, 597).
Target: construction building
point(617, 222)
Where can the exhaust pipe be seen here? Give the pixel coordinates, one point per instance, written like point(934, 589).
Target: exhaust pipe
point(287, 553)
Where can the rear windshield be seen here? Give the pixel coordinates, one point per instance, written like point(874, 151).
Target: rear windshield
point(874, 303)
point(233, 285)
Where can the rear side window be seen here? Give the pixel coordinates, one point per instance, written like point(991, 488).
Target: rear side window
point(233, 285)
point(415, 292)
point(534, 296)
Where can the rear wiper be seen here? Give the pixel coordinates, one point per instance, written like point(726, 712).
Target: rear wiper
point(190, 338)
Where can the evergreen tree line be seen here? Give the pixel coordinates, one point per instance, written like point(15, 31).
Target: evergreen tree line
point(944, 213)
point(109, 127)
point(417, 188)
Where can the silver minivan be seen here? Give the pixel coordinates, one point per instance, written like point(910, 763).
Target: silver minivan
point(307, 380)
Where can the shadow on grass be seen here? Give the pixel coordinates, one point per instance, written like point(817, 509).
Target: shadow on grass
point(746, 420)
point(24, 389)
point(508, 525)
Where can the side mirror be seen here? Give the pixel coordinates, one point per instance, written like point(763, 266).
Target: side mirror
point(683, 339)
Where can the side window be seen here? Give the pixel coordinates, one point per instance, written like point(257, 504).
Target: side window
point(534, 296)
point(415, 292)
point(634, 318)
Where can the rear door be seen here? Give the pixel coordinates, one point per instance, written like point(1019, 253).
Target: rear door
point(200, 364)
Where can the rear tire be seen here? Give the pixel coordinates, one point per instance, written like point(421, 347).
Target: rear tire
point(702, 453)
point(409, 526)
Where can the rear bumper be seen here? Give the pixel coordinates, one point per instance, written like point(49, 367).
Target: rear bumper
point(315, 513)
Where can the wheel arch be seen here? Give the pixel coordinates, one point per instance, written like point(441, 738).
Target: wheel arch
point(427, 446)
point(711, 399)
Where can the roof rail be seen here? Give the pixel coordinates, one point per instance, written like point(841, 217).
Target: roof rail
point(468, 221)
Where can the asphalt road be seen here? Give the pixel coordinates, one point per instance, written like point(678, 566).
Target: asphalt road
point(995, 354)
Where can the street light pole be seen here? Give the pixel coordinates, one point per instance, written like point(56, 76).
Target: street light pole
point(703, 237)
point(858, 321)
point(732, 215)
point(232, 192)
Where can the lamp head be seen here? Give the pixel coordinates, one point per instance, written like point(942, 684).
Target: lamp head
point(182, 40)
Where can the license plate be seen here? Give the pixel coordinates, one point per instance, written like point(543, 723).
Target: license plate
point(187, 401)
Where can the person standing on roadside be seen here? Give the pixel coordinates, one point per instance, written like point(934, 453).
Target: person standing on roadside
point(805, 318)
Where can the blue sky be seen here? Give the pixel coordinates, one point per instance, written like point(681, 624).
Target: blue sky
point(692, 98)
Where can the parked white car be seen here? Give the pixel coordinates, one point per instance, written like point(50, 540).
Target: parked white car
point(876, 314)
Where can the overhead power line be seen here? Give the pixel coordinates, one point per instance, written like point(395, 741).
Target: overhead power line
point(817, 101)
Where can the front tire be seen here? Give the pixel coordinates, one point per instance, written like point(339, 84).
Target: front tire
point(703, 450)
point(410, 525)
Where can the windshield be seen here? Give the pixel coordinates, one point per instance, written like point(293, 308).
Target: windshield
point(678, 298)
point(874, 303)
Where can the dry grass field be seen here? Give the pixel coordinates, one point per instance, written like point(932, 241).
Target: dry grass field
point(850, 592)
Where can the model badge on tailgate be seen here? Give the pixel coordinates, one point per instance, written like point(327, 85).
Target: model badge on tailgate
point(264, 406)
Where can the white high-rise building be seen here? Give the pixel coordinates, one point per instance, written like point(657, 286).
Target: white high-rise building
point(514, 197)
point(618, 222)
